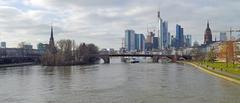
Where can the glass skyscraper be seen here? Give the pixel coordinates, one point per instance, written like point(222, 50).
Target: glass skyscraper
point(179, 37)
point(133, 41)
point(155, 43)
point(130, 40)
point(139, 42)
point(165, 34)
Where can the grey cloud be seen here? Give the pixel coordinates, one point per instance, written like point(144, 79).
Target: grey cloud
point(101, 21)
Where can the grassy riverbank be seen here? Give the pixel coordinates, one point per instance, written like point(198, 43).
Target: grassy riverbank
point(231, 73)
point(221, 66)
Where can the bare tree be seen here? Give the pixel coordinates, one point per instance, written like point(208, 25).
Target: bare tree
point(70, 54)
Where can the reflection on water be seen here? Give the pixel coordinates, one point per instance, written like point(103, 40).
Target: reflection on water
point(114, 83)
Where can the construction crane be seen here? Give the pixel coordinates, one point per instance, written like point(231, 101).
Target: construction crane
point(230, 47)
point(123, 42)
point(230, 31)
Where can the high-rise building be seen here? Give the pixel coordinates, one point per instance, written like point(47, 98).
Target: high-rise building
point(133, 41)
point(208, 35)
point(169, 40)
point(139, 42)
point(188, 40)
point(149, 41)
point(130, 40)
point(160, 31)
point(179, 37)
point(223, 36)
point(155, 43)
point(173, 41)
point(182, 37)
point(165, 34)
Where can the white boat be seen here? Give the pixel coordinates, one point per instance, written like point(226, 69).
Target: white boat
point(131, 60)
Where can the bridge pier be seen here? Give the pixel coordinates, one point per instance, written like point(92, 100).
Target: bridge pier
point(174, 58)
point(106, 59)
point(155, 59)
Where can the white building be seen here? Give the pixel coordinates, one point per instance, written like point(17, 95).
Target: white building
point(223, 36)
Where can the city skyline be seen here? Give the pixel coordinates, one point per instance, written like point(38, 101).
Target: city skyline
point(104, 23)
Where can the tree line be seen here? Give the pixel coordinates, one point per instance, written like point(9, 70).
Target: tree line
point(67, 52)
point(226, 52)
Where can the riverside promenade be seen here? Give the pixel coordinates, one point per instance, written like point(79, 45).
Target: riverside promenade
point(213, 71)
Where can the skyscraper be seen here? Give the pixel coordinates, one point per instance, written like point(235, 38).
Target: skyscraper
point(155, 43)
point(139, 42)
point(165, 34)
point(179, 37)
point(130, 40)
point(169, 39)
point(149, 41)
point(208, 35)
point(182, 37)
point(160, 31)
point(173, 41)
point(188, 40)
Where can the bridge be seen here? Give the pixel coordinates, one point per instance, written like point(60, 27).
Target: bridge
point(155, 57)
point(104, 57)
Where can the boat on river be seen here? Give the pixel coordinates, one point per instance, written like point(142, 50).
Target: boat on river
point(131, 60)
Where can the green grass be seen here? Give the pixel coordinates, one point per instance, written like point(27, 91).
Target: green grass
point(230, 68)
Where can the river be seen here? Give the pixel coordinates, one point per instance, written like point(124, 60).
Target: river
point(115, 83)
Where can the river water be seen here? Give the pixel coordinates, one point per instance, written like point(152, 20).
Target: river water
point(115, 83)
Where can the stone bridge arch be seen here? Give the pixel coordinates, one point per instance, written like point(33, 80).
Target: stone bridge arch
point(105, 58)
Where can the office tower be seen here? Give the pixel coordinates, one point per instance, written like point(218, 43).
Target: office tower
point(165, 34)
point(160, 31)
point(149, 41)
point(169, 40)
point(130, 40)
point(139, 42)
point(179, 37)
point(173, 41)
point(188, 40)
point(155, 43)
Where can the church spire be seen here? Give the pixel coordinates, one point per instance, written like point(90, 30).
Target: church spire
point(52, 48)
point(208, 24)
point(51, 41)
point(208, 35)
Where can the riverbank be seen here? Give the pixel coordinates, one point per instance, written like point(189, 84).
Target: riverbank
point(17, 64)
point(227, 76)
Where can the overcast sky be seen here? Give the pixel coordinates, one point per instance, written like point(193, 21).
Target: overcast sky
point(103, 21)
